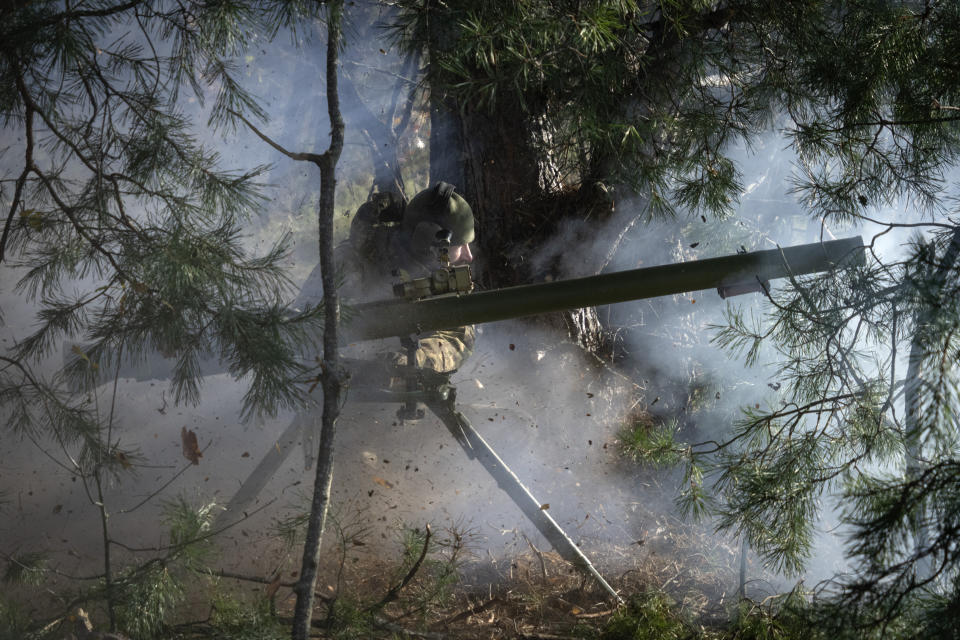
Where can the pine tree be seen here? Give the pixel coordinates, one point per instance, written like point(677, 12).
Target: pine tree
point(112, 185)
point(128, 232)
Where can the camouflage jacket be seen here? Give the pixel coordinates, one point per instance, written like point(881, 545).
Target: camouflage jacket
point(366, 264)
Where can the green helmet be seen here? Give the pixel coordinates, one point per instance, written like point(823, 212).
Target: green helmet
point(439, 205)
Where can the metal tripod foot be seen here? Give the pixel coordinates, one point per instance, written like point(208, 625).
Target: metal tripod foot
point(477, 448)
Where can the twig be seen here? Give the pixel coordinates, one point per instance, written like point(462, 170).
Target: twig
point(293, 155)
point(395, 590)
point(597, 614)
point(466, 613)
point(239, 576)
point(543, 565)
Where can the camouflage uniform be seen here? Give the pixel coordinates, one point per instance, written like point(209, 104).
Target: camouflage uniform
point(368, 261)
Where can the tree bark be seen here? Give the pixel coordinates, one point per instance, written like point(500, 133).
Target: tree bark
point(496, 158)
point(331, 376)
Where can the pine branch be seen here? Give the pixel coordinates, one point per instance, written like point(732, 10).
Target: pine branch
point(395, 590)
point(21, 180)
point(317, 159)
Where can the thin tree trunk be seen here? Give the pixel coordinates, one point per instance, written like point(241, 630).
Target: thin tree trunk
point(331, 377)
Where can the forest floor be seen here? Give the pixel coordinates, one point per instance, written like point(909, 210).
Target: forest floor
point(678, 581)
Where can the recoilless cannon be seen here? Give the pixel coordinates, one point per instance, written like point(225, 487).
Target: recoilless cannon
point(730, 275)
point(445, 300)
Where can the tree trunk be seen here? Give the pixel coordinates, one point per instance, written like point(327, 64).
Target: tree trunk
point(331, 378)
point(496, 160)
point(519, 206)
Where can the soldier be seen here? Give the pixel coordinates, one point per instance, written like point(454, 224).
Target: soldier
point(389, 239)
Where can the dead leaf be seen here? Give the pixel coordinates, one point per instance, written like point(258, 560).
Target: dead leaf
point(513, 347)
point(271, 590)
point(544, 506)
point(382, 482)
point(122, 459)
point(245, 454)
point(58, 508)
point(191, 450)
point(694, 245)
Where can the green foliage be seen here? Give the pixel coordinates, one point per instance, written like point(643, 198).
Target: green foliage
point(651, 443)
point(145, 597)
point(349, 619)
point(646, 615)
point(190, 532)
point(856, 424)
point(115, 187)
point(233, 617)
point(14, 622)
point(785, 618)
point(438, 572)
point(27, 569)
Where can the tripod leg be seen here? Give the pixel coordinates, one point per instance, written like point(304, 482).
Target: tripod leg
point(476, 447)
point(265, 470)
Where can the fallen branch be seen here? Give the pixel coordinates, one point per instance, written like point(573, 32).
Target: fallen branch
point(475, 609)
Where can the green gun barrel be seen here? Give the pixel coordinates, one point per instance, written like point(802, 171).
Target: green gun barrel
point(731, 275)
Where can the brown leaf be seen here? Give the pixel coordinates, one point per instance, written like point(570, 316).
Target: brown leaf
point(191, 450)
point(122, 459)
point(58, 508)
point(383, 483)
point(544, 506)
point(271, 590)
point(245, 454)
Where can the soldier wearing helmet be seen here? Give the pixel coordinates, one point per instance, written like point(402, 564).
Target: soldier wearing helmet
point(389, 238)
